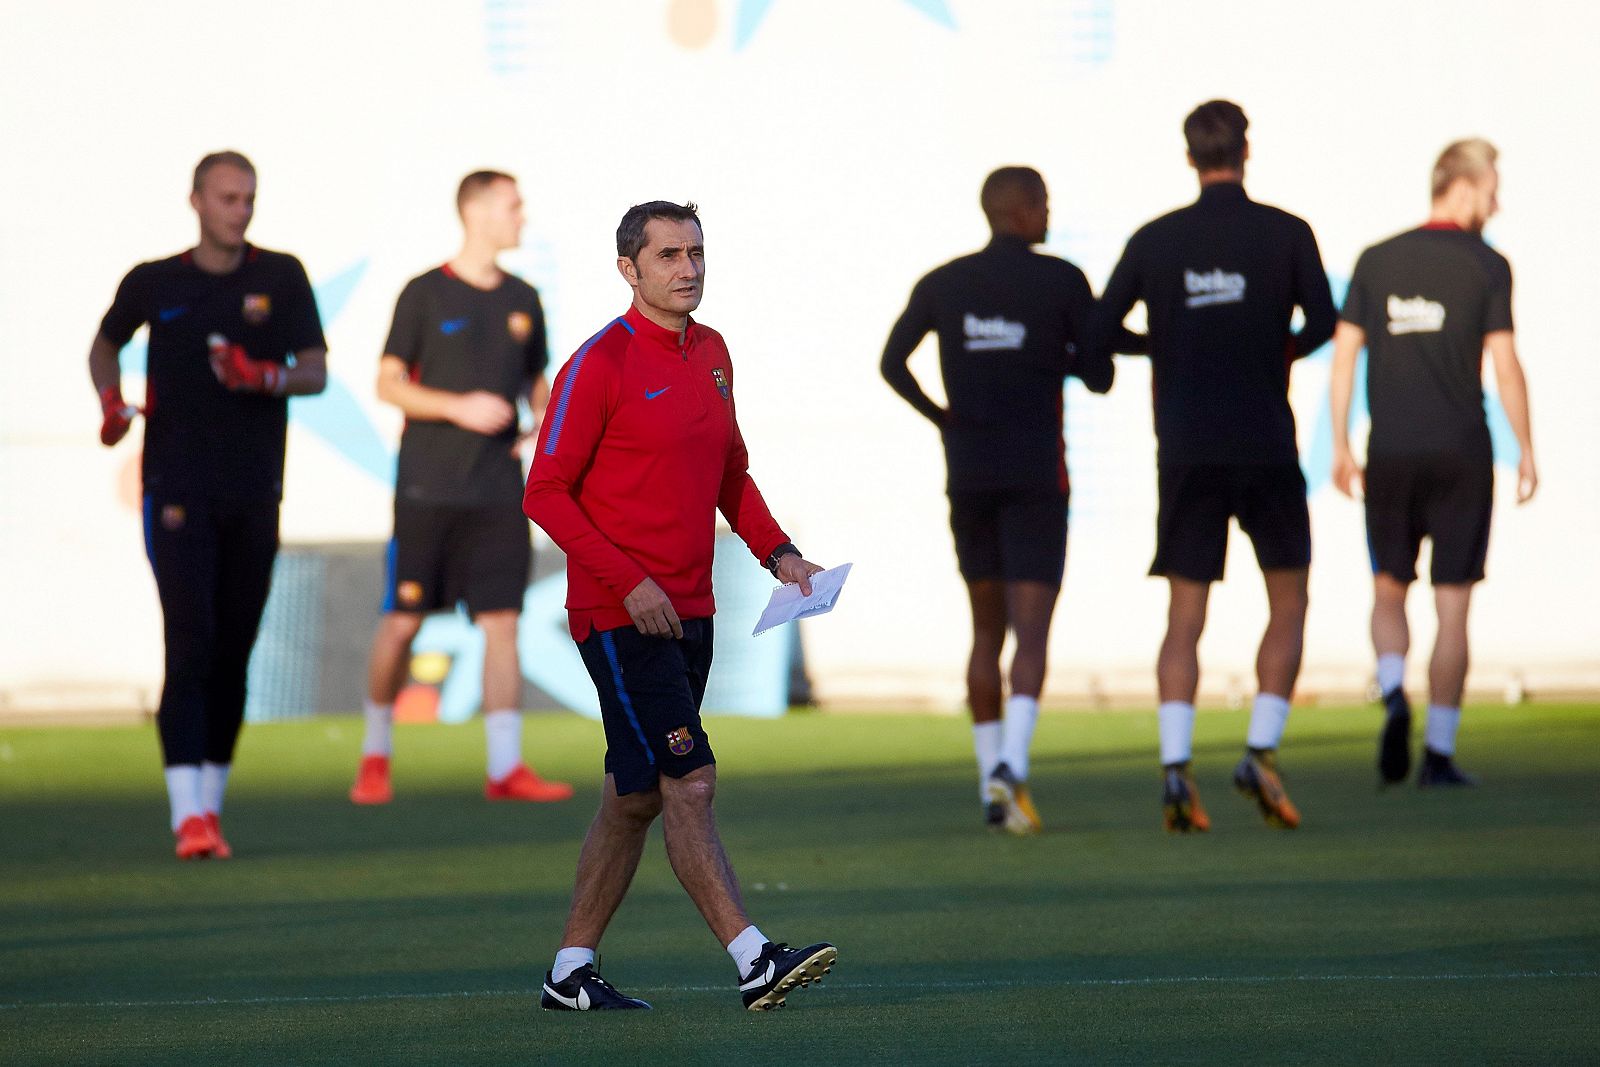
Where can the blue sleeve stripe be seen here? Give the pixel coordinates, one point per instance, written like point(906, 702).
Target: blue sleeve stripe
point(607, 643)
point(559, 412)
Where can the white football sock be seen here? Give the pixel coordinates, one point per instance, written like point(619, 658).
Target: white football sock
point(213, 783)
point(986, 738)
point(745, 948)
point(1016, 732)
point(379, 740)
point(1391, 672)
point(183, 792)
point(569, 960)
point(1176, 720)
point(1267, 720)
point(503, 732)
point(1440, 735)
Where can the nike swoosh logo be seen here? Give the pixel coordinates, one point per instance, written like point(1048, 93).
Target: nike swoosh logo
point(452, 326)
point(168, 314)
point(758, 980)
point(578, 1003)
point(648, 395)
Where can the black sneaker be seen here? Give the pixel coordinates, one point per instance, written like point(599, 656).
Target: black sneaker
point(584, 990)
point(1394, 744)
point(780, 968)
point(1439, 769)
point(1181, 812)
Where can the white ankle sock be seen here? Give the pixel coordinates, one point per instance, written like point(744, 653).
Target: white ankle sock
point(745, 948)
point(1391, 672)
point(1440, 735)
point(1267, 720)
point(183, 792)
point(1016, 732)
point(213, 784)
point(1176, 721)
point(379, 740)
point(502, 730)
point(569, 960)
point(986, 737)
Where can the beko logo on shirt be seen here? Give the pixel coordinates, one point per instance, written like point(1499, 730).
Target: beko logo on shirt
point(989, 335)
point(1416, 314)
point(1213, 287)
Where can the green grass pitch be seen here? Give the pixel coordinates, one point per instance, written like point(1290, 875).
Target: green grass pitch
point(1401, 926)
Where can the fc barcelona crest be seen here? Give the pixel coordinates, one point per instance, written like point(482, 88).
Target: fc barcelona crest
point(680, 742)
point(520, 325)
point(257, 308)
point(722, 381)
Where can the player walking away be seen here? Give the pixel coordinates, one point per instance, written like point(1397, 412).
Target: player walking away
point(1009, 322)
point(1220, 280)
point(640, 451)
point(467, 340)
point(1426, 304)
point(233, 331)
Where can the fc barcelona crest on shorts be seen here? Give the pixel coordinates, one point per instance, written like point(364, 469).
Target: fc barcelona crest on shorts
point(520, 325)
point(257, 308)
point(409, 593)
point(173, 517)
point(722, 381)
point(680, 742)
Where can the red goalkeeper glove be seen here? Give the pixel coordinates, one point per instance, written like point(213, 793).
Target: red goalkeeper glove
point(117, 415)
point(239, 372)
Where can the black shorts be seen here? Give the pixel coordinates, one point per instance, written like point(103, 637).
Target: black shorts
point(650, 691)
point(442, 554)
point(1012, 535)
point(1198, 499)
point(1447, 498)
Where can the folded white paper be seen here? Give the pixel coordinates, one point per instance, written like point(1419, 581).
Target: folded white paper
point(787, 604)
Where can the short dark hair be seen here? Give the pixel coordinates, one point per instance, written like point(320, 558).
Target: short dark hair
point(1008, 184)
point(477, 182)
point(1215, 132)
point(227, 157)
point(630, 231)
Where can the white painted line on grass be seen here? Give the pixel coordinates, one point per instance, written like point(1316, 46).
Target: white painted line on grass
point(1075, 983)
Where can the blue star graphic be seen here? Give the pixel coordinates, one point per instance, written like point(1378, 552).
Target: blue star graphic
point(752, 13)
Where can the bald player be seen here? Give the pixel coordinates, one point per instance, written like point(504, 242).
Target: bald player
point(1009, 322)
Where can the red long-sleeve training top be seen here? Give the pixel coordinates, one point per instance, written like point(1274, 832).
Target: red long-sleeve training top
point(639, 451)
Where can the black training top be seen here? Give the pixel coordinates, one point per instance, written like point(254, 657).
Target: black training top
point(1010, 321)
point(459, 338)
point(201, 438)
point(1426, 298)
point(1220, 280)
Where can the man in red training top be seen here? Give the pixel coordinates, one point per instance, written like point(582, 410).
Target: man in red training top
point(639, 451)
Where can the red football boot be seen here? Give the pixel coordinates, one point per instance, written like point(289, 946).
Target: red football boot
point(523, 784)
point(195, 839)
point(220, 849)
point(372, 782)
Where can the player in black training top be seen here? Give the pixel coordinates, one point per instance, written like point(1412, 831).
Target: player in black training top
point(468, 339)
point(233, 331)
point(1426, 304)
point(1220, 280)
point(1009, 322)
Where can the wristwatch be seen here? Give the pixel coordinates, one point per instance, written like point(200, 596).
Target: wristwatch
point(785, 549)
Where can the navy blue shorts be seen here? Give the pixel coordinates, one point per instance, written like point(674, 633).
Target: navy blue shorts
point(1197, 500)
point(650, 691)
point(1010, 535)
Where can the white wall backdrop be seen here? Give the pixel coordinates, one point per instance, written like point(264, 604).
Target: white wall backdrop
point(836, 148)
